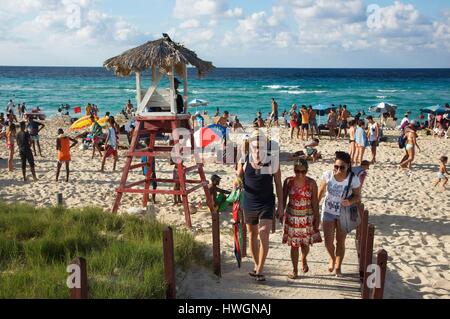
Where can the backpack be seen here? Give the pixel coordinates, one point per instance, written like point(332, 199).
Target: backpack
point(402, 141)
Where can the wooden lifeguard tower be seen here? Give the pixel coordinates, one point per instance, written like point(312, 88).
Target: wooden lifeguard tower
point(156, 114)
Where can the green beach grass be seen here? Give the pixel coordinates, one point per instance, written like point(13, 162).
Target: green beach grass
point(124, 253)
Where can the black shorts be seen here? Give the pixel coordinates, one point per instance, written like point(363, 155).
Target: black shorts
point(343, 125)
point(373, 143)
point(26, 156)
point(305, 126)
point(254, 217)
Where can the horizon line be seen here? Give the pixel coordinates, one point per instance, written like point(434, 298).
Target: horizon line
point(247, 67)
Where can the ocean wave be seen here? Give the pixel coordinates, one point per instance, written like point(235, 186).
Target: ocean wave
point(381, 97)
point(298, 92)
point(279, 87)
point(389, 91)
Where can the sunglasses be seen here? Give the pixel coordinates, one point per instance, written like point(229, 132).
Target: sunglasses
point(298, 171)
point(339, 167)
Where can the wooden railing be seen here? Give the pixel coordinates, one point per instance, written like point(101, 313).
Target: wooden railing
point(365, 234)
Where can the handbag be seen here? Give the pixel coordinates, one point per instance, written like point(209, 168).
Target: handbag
point(349, 218)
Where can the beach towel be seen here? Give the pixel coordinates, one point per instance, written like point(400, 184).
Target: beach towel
point(231, 199)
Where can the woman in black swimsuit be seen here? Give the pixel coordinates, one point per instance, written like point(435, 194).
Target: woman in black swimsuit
point(260, 170)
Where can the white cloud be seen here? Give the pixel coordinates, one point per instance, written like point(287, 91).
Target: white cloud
point(234, 13)
point(260, 29)
point(186, 9)
point(73, 23)
point(190, 24)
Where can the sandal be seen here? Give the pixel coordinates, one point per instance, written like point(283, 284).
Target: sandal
point(293, 275)
point(252, 273)
point(260, 277)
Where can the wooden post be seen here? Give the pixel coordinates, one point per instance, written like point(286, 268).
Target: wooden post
point(185, 89)
point(59, 199)
point(153, 74)
point(216, 243)
point(169, 263)
point(358, 229)
point(149, 165)
point(362, 242)
point(126, 169)
point(173, 96)
point(367, 255)
point(82, 291)
point(182, 177)
point(382, 257)
point(138, 88)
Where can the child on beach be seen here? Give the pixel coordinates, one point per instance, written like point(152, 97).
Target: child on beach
point(110, 144)
point(10, 141)
point(218, 195)
point(442, 171)
point(24, 143)
point(63, 147)
point(310, 152)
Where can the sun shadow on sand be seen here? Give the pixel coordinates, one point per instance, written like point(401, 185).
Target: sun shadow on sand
point(388, 224)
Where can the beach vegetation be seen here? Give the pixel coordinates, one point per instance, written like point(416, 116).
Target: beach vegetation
point(124, 253)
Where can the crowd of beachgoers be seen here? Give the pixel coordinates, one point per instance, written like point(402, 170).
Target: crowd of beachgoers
point(305, 205)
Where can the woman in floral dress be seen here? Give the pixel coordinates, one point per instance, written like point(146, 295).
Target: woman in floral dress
point(302, 218)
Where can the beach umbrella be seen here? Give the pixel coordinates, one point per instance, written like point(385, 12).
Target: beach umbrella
point(322, 110)
point(383, 108)
point(436, 110)
point(206, 136)
point(198, 102)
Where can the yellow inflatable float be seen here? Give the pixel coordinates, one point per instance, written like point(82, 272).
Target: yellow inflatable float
point(85, 122)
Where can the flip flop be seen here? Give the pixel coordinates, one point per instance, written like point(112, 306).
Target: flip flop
point(260, 277)
point(252, 273)
point(293, 276)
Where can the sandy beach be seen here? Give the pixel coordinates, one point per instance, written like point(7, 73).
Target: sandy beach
point(411, 219)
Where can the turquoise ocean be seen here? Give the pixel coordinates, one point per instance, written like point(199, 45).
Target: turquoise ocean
point(240, 91)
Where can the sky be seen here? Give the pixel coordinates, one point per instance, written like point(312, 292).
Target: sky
point(231, 33)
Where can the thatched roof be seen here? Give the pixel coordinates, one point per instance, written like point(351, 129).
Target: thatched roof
point(160, 53)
